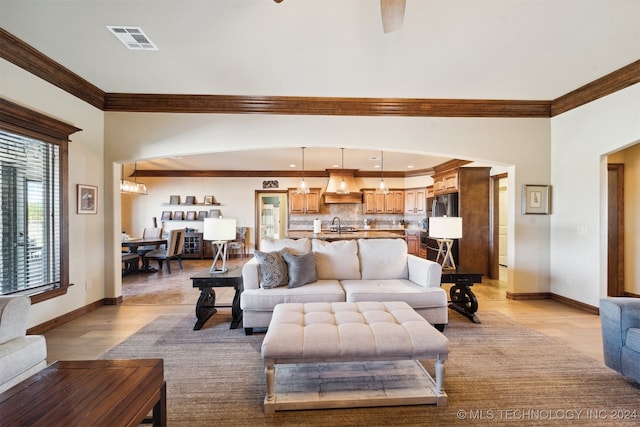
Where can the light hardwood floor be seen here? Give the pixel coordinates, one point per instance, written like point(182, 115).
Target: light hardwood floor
point(148, 295)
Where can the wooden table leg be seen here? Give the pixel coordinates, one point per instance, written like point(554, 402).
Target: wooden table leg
point(236, 311)
point(160, 409)
point(205, 307)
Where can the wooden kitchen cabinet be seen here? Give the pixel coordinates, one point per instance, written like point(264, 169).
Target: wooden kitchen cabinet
point(413, 241)
point(394, 202)
point(377, 203)
point(415, 200)
point(447, 182)
point(304, 203)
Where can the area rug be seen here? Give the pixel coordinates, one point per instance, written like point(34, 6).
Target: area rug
point(498, 373)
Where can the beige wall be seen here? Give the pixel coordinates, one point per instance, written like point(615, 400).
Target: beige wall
point(581, 141)
point(86, 152)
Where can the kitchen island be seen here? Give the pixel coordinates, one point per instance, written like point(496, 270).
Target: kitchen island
point(346, 235)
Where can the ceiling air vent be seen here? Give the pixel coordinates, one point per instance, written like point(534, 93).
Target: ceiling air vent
point(132, 37)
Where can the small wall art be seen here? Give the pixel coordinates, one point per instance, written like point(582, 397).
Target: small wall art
point(87, 199)
point(536, 199)
point(270, 184)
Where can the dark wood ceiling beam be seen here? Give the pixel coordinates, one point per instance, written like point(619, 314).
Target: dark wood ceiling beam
point(159, 173)
point(329, 106)
point(606, 85)
point(24, 56)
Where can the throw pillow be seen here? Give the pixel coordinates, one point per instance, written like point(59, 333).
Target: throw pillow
point(336, 260)
point(297, 246)
point(302, 268)
point(273, 269)
point(383, 258)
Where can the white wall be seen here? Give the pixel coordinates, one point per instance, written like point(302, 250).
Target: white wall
point(522, 146)
point(581, 139)
point(86, 232)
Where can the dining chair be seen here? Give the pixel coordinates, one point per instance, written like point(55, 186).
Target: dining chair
point(148, 233)
point(173, 250)
point(239, 244)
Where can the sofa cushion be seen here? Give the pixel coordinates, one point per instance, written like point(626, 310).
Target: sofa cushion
point(294, 246)
point(301, 268)
point(394, 290)
point(267, 299)
point(273, 269)
point(383, 258)
point(336, 260)
point(633, 339)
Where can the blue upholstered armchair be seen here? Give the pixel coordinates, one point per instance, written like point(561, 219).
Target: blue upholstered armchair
point(620, 319)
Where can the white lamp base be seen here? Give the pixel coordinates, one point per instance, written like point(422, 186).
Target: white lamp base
point(220, 248)
point(445, 250)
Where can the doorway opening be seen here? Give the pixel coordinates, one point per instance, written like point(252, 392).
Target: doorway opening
point(271, 215)
point(615, 229)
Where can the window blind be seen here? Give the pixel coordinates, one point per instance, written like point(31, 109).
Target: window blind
point(30, 214)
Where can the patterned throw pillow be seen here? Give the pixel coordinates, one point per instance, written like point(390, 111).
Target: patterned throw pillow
point(273, 269)
point(302, 268)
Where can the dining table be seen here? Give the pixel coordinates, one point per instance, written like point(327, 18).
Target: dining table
point(134, 243)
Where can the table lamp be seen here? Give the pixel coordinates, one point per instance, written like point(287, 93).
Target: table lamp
point(444, 229)
point(220, 231)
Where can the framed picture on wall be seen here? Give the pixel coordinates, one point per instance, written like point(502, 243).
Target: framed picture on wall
point(208, 200)
point(536, 199)
point(87, 199)
point(166, 216)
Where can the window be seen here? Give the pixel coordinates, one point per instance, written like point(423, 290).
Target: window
point(33, 203)
point(29, 214)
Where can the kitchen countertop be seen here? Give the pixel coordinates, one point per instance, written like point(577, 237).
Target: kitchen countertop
point(360, 234)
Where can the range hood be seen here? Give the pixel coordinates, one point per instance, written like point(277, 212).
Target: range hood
point(335, 177)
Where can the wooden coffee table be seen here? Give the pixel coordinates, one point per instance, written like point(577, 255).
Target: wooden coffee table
point(88, 393)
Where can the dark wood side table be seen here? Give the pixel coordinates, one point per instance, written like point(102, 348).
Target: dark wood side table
point(463, 300)
point(88, 393)
point(206, 282)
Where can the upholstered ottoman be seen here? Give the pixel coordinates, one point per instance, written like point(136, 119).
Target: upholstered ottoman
point(364, 332)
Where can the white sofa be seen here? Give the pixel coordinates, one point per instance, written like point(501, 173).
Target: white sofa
point(346, 270)
point(21, 355)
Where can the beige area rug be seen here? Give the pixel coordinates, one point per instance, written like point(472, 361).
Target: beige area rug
point(498, 373)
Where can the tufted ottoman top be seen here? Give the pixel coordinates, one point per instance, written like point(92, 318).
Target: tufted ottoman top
point(343, 331)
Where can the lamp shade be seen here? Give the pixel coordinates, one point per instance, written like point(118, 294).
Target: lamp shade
point(445, 227)
point(219, 229)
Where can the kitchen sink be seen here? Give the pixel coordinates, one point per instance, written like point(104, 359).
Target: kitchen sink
point(343, 230)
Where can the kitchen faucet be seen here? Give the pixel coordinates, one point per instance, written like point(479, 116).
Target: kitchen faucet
point(333, 221)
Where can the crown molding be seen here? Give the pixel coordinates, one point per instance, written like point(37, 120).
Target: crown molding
point(24, 56)
point(606, 85)
point(327, 106)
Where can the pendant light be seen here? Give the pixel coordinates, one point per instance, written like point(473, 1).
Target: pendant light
point(343, 188)
point(382, 187)
point(132, 187)
point(303, 188)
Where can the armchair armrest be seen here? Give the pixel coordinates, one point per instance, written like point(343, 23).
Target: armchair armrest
point(617, 315)
point(14, 315)
point(424, 272)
